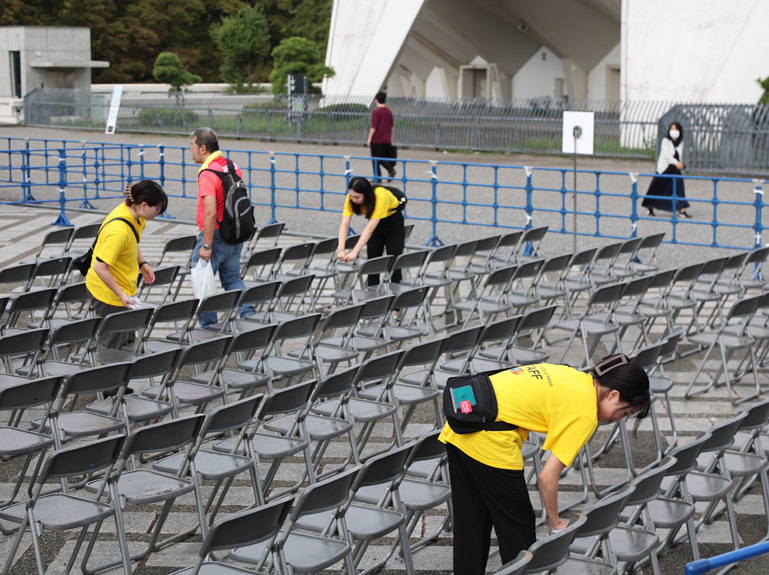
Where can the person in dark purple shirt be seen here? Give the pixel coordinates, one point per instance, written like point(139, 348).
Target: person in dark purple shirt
point(380, 137)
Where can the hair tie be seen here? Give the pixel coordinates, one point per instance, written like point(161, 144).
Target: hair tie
point(128, 189)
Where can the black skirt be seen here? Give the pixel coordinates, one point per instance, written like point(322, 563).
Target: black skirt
point(660, 194)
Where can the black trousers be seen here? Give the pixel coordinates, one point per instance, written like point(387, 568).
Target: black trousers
point(390, 234)
point(482, 497)
point(382, 151)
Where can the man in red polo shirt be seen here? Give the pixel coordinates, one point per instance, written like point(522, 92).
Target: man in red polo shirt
point(224, 257)
point(380, 137)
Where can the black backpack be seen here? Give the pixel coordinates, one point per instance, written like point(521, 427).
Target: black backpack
point(470, 404)
point(238, 224)
point(397, 192)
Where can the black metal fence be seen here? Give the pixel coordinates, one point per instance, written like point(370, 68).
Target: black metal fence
point(720, 138)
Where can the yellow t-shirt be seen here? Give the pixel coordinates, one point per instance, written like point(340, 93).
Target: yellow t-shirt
point(117, 247)
point(554, 399)
point(385, 204)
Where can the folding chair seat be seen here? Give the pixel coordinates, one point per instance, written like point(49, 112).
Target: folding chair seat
point(367, 524)
point(220, 466)
point(674, 508)
point(374, 316)
point(278, 363)
point(735, 339)
point(141, 486)
point(250, 372)
point(294, 261)
point(69, 296)
point(492, 299)
point(180, 251)
point(372, 266)
point(22, 349)
point(460, 343)
point(376, 370)
point(419, 495)
point(260, 267)
point(289, 401)
point(728, 284)
point(51, 273)
point(650, 243)
point(137, 408)
point(298, 552)
point(68, 425)
point(602, 325)
point(15, 441)
point(57, 239)
point(528, 248)
point(73, 337)
point(62, 511)
point(501, 334)
point(180, 313)
point(332, 344)
point(592, 537)
point(551, 552)
point(258, 525)
point(533, 323)
point(410, 395)
point(165, 278)
point(320, 428)
point(270, 232)
point(40, 300)
point(344, 269)
point(188, 393)
point(410, 265)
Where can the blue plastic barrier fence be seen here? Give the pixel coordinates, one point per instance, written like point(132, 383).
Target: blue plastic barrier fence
point(705, 565)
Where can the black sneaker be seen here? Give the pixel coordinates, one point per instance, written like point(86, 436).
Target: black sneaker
point(392, 173)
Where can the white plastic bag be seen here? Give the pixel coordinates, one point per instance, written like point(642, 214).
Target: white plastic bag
point(203, 282)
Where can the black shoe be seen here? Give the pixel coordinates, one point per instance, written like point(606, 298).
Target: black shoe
point(649, 211)
point(684, 214)
point(128, 391)
point(392, 173)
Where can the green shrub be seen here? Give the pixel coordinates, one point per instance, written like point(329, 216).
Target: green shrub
point(167, 117)
point(348, 108)
point(277, 104)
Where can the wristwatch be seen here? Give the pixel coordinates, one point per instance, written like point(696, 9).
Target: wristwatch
point(206, 247)
point(143, 264)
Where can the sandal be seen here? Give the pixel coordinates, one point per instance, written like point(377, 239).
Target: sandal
point(684, 214)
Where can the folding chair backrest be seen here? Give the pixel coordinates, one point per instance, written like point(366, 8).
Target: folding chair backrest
point(336, 384)
point(463, 340)
point(488, 244)
point(296, 286)
point(56, 237)
point(378, 265)
point(342, 318)
point(384, 468)
point(72, 293)
point(83, 459)
point(299, 327)
point(164, 276)
point(84, 232)
point(662, 280)
point(208, 351)
point(410, 298)
point(377, 307)
point(534, 234)
point(34, 393)
point(379, 367)
point(528, 269)
point(325, 247)
point(155, 364)
point(20, 274)
point(182, 244)
point(129, 320)
point(102, 378)
point(220, 302)
point(501, 276)
point(411, 260)
point(264, 262)
point(757, 256)
point(550, 552)
point(713, 267)
point(351, 241)
point(74, 332)
point(631, 245)
point(636, 287)
point(608, 251)
point(428, 448)
point(537, 318)
point(442, 254)
point(231, 416)
point(745, 307)
point(603, 516)
point(466, 249)
point(325, 495)
point(38, 299)
point(423, 353)
point(164, 436)
point(56, 269)
point(648, 356)
point(253, 339)
point(518, 565)
point(756, 415)
point(270, 231)
point(22, 343)
point(686, 456)
point(582, 258)
point(180, 310)
point(647, 486)
point(297, 253)
point(606, 294)
point(260, 294)
point(246, 528)
point(510, 241)
point(288, 400)
point(687, 273)
point(652, 241)
point(503, 329)
point(722, 434)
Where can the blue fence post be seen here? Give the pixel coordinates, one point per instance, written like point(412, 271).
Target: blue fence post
point(347, 177)
point(273, 219)
point(85, 204)
point(162, 165)
point(140, 153)
point(758, 192)
point(62, 220)
point(633, 203)
point(529, 198)
point(26, 184)
point(434, 240)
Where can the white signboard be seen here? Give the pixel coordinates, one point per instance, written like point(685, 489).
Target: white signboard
point(114, 106)
point(584, 142)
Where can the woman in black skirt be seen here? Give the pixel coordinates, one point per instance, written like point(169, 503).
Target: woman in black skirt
point(669, 163)
point(385, 228)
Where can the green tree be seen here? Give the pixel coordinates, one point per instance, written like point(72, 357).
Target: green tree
point(297, 55)
point(765, 85)
point(311, 19)
point(169, 69)
point(244, 43)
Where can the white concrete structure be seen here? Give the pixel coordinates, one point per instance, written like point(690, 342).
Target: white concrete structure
point(688, 50)
point(42, 57)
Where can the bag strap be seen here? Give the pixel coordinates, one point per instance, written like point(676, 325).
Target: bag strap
point(129, 224)
point(230, 173)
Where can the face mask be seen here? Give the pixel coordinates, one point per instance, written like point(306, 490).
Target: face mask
point(674, 134)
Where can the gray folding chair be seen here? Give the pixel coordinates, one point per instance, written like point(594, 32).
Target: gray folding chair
point(260, 267)
point(64, 342)
point(277, 362)
point(332, 344)
point(22, 349)
point(141, 486)
point(551, 552)
point(373, 266)
point(268, 232)
point(37, 300)
point(261, 296)
point(501, 333)
point(298, 552)
point(180, 313)
point(294, 261)
point(528, 248)
point(62, 511)
point(492, 299)
point(58, 239)
point(51, 273)
point(518, 565)
point(652, 243)
point(533, 324)
point(250, 527)
point(180, 251)
point(165, 278)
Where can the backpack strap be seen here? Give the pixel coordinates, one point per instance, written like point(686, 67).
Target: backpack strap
point(230, 175)
point(129, 224)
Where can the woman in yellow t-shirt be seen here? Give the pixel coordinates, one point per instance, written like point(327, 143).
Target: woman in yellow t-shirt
point(117, 259)
point(486, 467)
point(385, 224)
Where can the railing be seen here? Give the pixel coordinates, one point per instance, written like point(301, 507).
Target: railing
point(704, 565)
point(728, 212)
point(728, 138)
